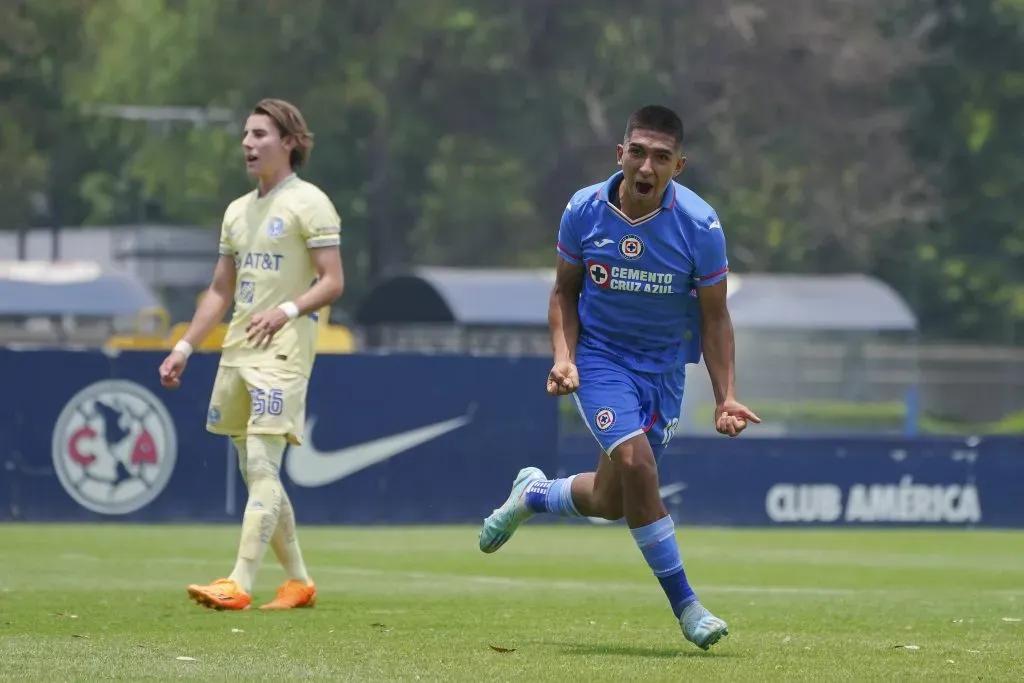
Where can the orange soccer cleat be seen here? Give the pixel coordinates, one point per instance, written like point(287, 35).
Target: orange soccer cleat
point(293, 593)
point(220, 595)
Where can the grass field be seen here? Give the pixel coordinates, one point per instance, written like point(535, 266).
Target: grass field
point(562, 603)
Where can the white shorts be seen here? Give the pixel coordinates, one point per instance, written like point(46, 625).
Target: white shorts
point(258, 401)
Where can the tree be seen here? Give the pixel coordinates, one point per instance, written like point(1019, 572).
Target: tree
point(968, 105)
point(453, 132)
point(39, 149)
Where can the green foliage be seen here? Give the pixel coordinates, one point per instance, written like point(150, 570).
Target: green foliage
point(452, 132)
point(968, 108)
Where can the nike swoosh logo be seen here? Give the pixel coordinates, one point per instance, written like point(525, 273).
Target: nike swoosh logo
point(603, 243)
point(663, 492)
point(307, 466)
point(671, 489)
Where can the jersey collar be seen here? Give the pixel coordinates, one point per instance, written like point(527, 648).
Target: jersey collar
point(284, 181)
point(668, 200)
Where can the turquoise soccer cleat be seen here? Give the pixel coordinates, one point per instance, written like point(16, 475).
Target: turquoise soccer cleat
point(504, 521)
point(701, 627)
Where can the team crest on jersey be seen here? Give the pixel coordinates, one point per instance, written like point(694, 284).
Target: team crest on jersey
point(604, 419)
point(599, 273)
point(631, 247)
point(276, 227)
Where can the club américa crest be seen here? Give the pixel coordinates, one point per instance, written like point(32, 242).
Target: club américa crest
point(114, 447)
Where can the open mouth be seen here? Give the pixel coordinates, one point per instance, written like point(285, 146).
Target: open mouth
point(643, 189)
point(250, 158)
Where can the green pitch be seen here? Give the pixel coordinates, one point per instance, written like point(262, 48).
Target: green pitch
point(563, 604)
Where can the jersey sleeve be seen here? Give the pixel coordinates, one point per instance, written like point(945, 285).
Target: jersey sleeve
point(320, 223)
point(569, 247)
point(712, 264)
point(224, 247)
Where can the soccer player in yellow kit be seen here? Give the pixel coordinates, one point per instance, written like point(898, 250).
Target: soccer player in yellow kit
point(274, 242)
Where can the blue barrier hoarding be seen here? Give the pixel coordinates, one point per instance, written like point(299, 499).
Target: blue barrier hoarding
point(434, 439)
point(837, 481)
point(388, 438)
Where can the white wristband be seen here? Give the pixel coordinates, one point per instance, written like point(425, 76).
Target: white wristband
point(184, 348)
point(290, 309)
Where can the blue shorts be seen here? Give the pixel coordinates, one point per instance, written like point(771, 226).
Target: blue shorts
point(618, 404)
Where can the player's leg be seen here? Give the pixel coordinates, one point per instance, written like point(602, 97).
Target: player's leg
point(285, 544)
point(634, 433)
point(228, 415)
point(656, 538)
point(298, 590)
point(599, 493)
point(594, 494)
point(277, 402)
point(285, 541)
point(653, 530)
point(608, 402)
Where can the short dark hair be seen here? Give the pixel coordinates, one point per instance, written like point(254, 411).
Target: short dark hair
point(657, 118)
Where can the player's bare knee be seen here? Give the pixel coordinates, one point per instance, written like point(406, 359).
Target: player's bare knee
point(634, 457)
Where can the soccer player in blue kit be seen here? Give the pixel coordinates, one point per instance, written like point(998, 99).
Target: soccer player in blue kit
point(640, 292)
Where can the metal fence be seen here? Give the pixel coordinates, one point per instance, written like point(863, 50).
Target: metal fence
point(813, 380)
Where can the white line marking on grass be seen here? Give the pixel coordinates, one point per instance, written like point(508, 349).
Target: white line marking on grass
point(443, 580)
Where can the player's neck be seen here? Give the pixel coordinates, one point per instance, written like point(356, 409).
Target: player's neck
point(632, 209)
point(266, 185)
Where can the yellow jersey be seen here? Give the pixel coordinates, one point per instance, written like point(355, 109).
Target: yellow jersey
point(270, 238)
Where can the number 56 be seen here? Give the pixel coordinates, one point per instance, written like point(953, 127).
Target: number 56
point(271, 403)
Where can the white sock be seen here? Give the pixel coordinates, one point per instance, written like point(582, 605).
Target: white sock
point(259, 522)
point(244, 573)
point(285, 543)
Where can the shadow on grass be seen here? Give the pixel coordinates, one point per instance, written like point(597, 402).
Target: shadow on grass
point(604, 650)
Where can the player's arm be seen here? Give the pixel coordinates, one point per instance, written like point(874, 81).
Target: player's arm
point(563, 312)
point(321, 230)
point(563, 308)
point(330, 281)
point(718, 340)
point(217, 298)
point(215, 302)
point(320, 227)
point(719, 347)
point(329, 284)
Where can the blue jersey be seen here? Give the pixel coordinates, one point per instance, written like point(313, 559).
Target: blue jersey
point(639, 299)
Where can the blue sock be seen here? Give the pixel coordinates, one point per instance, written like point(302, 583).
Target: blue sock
point(658, 544)
point(552, 495)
